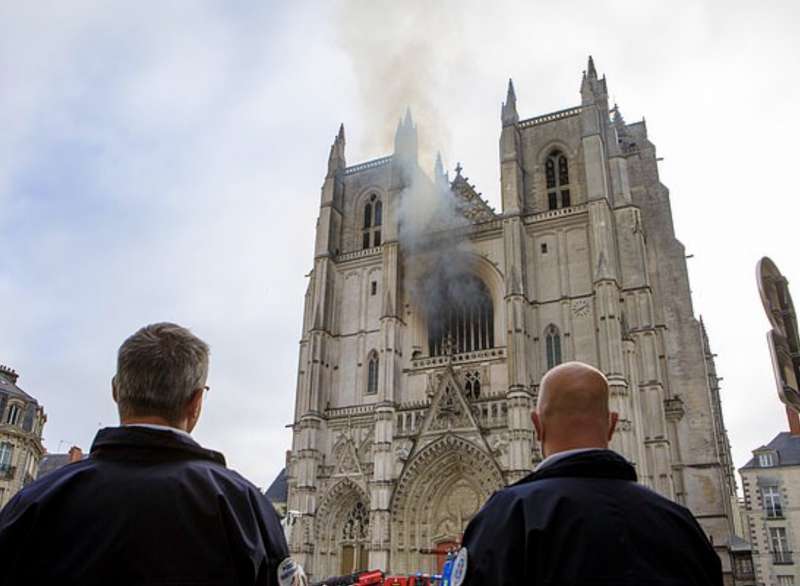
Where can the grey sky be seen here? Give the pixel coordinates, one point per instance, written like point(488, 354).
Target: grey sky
point(162, 161)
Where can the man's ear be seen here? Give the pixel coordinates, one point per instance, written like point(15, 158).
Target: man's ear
point(193, 408)
point(114, 388)
point(537, 425)
point(613, 417)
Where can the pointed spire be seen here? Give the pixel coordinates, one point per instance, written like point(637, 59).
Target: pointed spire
point(590, 70)
point(336, 160)
point(592, 88)
point(509, 114)
point(439, 175)
point(409, 122)
point(438, 167)
point(405, 139)
point(511, 96)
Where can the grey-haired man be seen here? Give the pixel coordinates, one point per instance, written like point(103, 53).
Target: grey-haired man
point(150, 505)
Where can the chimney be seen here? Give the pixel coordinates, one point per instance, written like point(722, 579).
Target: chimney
point(75, 454)
point(9, 372)
point(794, 420)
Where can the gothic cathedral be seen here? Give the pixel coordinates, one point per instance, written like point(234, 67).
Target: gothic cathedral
point(417, 376)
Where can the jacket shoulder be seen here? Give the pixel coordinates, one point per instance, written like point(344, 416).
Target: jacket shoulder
point(37, 490)
point(231, 477)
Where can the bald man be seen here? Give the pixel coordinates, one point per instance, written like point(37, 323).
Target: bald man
point(581, 517)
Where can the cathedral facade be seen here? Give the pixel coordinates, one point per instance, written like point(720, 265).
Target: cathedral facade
point(420, 358)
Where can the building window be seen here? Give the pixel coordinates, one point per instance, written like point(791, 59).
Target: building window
point(13, 414)
point(373, 288)
point(30, 469)
point(743, 566)
point(472, 385)
point(781, 554)
point(367, 216)
point(553, 346)
point(772, 501)
point(6, 454)
point(766, 460)
point(28, 420)
point(372, 373)
point(373, 220)
point(556, 170)
point(465, 321)
point(544, 247)
point(785, 580)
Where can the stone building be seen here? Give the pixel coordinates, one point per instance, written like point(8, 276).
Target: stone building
point(771, 483)
point(21, 422)
point(425, 335)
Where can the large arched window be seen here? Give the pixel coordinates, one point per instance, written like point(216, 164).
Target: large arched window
point(553, 346)
point(355, 532)
point(461, 316)
point(373, 220)
point(372, 373)
point(557, 175)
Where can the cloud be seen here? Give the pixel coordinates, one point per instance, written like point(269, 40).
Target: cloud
point(149, 183)
point(167, 166)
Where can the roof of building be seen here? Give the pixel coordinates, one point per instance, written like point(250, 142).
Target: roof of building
point(8, 384)
point(278, 491)
point(785, 445)
point(52, 462)
point(469, 201)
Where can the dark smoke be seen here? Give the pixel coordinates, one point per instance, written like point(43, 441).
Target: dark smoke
point(439, 262)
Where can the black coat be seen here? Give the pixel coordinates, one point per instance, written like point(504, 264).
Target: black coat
point(585, 520)
point(149, 507)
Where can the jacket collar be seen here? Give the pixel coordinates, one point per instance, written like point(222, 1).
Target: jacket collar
point(597, 463)
point(150, 444)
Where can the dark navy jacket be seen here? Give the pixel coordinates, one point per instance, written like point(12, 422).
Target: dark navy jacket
point(149, 507)
point(585, 520)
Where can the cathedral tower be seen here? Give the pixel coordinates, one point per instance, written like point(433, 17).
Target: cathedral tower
point(424, 343)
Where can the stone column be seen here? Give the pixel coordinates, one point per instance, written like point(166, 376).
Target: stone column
point(518, 396)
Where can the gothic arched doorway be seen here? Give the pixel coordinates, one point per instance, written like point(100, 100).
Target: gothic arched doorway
point(440, 491)
point(354, 542)
point(342, 531)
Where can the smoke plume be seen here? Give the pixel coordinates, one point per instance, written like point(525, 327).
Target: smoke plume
point(437, 256)
point(402, 55)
